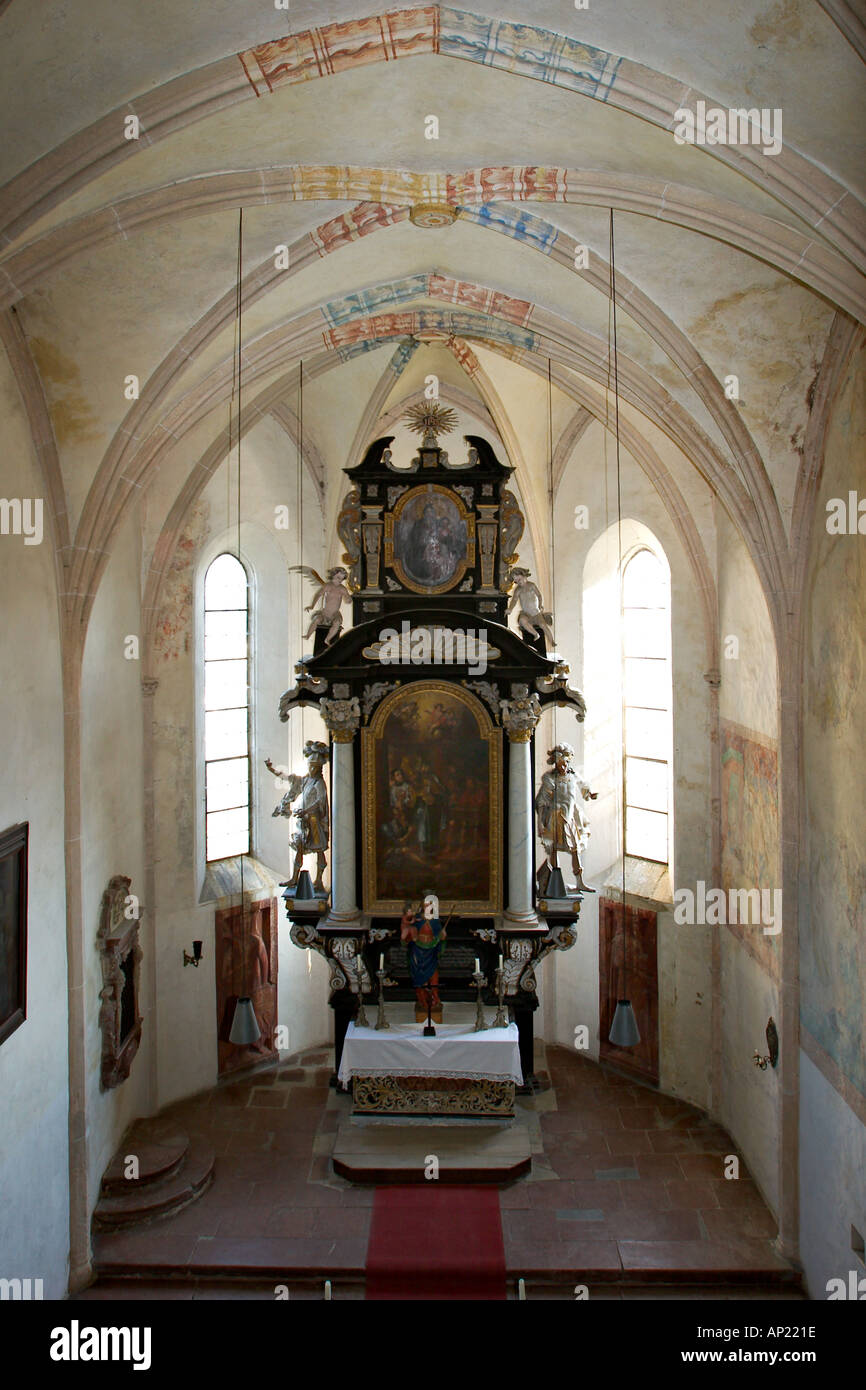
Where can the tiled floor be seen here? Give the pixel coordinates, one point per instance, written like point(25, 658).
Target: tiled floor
point(627, 1194)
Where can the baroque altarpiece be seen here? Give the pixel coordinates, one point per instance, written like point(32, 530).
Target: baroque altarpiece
point(432, 703)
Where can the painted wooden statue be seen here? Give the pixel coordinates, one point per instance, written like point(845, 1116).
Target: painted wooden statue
point(562, 824)
point(306, 800)
point(424, 935)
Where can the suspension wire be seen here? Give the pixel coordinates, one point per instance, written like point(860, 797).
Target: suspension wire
point(239, 316)
point(300, 494)
point(620, 577)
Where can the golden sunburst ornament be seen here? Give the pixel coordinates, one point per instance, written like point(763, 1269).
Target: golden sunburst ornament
point(431, 419)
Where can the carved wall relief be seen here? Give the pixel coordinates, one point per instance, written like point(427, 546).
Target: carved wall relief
point(119, 1017)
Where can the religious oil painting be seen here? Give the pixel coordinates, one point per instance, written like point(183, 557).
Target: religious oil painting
point(13, 929)
point(429, 540)
point(431, 769)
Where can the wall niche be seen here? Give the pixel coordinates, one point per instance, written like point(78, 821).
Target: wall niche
point(120, 953)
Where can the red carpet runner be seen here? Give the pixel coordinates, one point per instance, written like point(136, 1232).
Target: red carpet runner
point(436, 1242)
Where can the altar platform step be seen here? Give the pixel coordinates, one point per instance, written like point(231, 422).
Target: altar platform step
point(466, 1153)
point(172, 1172)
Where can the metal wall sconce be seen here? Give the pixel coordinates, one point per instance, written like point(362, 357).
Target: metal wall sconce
point(773, 1048)
point(195, 957)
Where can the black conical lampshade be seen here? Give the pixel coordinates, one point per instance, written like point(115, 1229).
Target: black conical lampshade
point(304, 890)
point(245, 1026)
point(556, 885)
point(624, 1031)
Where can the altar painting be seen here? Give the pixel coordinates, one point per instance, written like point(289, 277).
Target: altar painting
point(429, 540)
point(432, 793)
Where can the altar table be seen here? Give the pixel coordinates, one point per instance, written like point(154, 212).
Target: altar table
point(398, 1071)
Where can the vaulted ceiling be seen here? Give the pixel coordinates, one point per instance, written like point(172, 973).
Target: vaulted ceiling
point(119, 254)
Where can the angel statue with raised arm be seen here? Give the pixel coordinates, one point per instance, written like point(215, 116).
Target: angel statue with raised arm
point(333, 594)
point(562, 824)
point(532, 619)
point(306, 800)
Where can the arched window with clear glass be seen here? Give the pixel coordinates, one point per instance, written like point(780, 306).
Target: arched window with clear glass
point(646, 607)
point(226, 709)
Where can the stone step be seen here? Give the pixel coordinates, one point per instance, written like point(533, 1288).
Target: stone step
point(162, 1197)
point(391, 1153)
point(159, 1156)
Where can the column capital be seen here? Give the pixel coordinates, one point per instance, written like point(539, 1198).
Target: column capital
point(342, 717)
point(520, 714)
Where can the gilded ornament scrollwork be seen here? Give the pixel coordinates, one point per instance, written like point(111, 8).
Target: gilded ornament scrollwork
point(399, 1095)
point(349, 531)
point(489, 692)
point(511, 526)
point(373, 693)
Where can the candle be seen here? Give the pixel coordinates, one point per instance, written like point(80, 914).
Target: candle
point(382, 960)
point(477, 967)
point(500, 962)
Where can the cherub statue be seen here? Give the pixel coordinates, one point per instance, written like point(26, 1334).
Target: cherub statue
point(333, 593)
point(310, 809)
point(561, 822)
point(532, 618)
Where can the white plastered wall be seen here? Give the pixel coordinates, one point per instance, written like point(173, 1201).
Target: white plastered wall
point(187, 998)
point(749, 982)
point(587, 628)
point(832, 873)
point(34, 1164)
point(112, 830)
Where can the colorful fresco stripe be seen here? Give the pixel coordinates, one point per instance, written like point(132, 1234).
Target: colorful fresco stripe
point(427, 322)
point(519, 48)
point(350, 226)
point(485, 301)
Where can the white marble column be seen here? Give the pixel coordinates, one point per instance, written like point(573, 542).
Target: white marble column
point(520, 717)
point(342, 718)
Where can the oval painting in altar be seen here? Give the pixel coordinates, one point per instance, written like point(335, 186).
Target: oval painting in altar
point(430, 541)
point(432, 795)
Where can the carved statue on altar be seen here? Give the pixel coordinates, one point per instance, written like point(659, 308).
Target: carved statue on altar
point(333, 594)
point(562, 824)
point(306, 800)
point(424, 935)
point(532, 618)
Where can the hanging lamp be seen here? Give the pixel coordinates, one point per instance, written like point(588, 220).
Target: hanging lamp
point(624, 1031)
point(245, 1026)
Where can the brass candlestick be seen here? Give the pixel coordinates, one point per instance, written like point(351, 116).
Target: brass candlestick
point(381, 1021)
point(480, 1025)
point(361, 1016)
point(501, 1019)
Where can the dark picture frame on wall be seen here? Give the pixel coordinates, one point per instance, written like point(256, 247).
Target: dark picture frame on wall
point(13, 928)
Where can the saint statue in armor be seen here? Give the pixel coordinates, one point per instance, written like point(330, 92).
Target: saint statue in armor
point(306, 800)
point(562, 824)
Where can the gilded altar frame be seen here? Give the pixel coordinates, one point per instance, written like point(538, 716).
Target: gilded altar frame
point(371, 737)
point(394, 562)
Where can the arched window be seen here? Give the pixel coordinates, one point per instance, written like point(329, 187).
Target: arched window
point(647, 696)
point(226, 709)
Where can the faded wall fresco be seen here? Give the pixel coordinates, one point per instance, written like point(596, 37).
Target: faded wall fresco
point(750, 827)
point(833, 926)
point(173, 631)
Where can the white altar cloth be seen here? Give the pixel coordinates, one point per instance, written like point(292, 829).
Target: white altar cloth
point(456, 1051)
